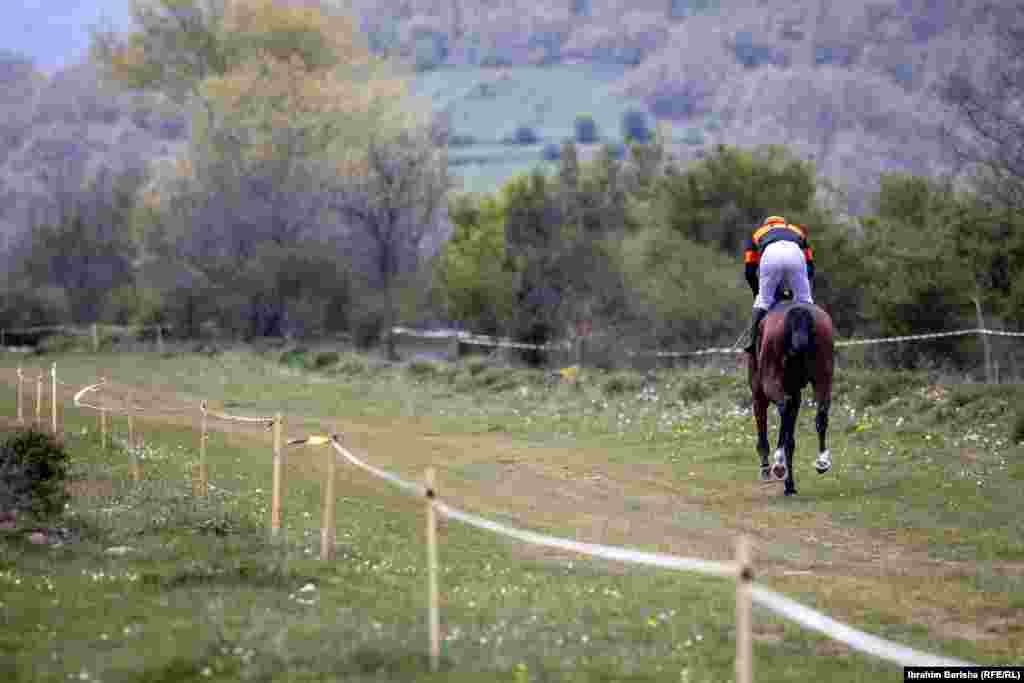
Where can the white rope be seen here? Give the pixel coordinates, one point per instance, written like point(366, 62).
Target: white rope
point(416, 489)
point(82, 392)
point(608, 552)
point(858, 640)
point(767, 598)
point(266, 421)
point(482, 340)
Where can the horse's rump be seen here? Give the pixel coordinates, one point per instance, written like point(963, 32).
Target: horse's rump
point(798, 332)
point(791, 339)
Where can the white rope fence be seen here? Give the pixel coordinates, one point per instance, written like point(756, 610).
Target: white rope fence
point(92, 330)
point(484, 340)
point(776, 602)
point(739, 570)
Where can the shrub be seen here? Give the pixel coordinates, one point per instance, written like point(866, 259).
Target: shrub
point(1017, 433)
point(352, 365)
point(326, 358)
point(476, 366)
point(63, 343)
point(524, 135)
point(880, 387)
point(622, 383)
point(423, 369)
point(367, 330)
point(635, 127)
point(694, 390)
point(586, 130)
point(295, 359)
point(33, 470)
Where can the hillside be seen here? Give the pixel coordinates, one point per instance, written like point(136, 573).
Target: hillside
point(60, 131)
point(849, 85)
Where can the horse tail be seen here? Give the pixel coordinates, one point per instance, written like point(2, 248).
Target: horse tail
point(799, 332)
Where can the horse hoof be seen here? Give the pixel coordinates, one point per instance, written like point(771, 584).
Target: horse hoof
point(824, 463)
point(790, 492)
point(779, 469)
point(766, 473)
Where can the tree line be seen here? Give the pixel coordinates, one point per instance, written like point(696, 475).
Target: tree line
point(313, 197)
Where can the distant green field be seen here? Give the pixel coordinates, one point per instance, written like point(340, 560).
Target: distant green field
point(488, 105)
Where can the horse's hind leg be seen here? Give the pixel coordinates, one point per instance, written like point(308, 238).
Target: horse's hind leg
point(824, 461)
point(782, 467)
point(761, 419)
point(793, 410)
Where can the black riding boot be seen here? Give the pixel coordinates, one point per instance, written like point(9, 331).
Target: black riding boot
point(755, 332)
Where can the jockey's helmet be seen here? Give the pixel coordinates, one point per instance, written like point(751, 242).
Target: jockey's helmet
point(774, 220)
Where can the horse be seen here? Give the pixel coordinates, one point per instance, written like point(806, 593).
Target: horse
point(796, 347)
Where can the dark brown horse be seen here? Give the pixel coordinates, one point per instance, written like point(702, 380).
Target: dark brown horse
point(796, 348)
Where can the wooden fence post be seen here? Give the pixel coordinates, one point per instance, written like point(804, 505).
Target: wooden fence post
point(39, 400)
point(53, 396)
point(984, 340)
point(21, 396)
point(136, 466)
point(200, 477)
point(95, 338)
point(327, 532)
point(744, 637)
point(275, 502)
point(433, 600)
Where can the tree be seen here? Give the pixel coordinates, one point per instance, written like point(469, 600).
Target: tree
point(88, 253)
point(474, 276)
point(586, 129)
point(719, 200)
point(987, 100)
point(284, 97)
point(393, 205)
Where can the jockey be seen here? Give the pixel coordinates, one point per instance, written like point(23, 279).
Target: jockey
point(776, 253)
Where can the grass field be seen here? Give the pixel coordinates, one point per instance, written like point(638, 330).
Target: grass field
point(487, 105)
point(916, 535)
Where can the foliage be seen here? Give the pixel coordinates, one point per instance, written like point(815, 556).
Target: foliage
point(985, 96)
point(621, 383)
point(33, 469)
point(635, 127)
point(474, 277)
point(719, 200)
point(326, 359)
point(88, 254)
point(931, 252)
point(586, 130)
point(524, 135)
point(296, 358)
point(670, 280)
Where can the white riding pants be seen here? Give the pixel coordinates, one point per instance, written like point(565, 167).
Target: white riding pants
point(782, 261)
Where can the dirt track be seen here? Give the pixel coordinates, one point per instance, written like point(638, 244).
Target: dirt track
point(642, 506)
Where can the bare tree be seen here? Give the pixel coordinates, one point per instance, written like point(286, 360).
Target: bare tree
point(392, 206)
point(987, 100)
